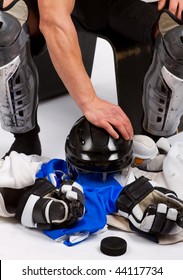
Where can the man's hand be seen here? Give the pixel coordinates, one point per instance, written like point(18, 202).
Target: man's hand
point(175, 7)
point(110, 117)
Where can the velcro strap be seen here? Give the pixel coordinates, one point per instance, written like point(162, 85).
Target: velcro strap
point(133, 193)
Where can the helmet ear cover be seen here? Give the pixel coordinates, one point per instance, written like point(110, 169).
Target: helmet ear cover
point(91, 149)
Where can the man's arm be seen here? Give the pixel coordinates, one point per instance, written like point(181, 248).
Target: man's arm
point(63, 46)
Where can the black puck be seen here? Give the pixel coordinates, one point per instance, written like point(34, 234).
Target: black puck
point(113, 246)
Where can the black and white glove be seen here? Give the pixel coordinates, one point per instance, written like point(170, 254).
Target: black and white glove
point(44, 207)
point(150, 209)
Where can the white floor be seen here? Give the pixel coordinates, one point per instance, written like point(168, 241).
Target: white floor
point(56, 118)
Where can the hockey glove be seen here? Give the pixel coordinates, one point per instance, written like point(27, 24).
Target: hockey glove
point(100, 200)
point(44, 207)
point(150, 208)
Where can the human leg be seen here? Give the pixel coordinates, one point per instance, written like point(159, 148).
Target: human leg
point(19, 80)
point(132, 52)
point(142, 22)
point(162, 91)
point(133, 19)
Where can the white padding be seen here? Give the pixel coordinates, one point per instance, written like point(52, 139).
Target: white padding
point(173, 168)
point(78, 237)
point(78, 186)
point(147, 223)
point(144, 147)
point(66, 188)
point(163, 144)
point(162, 208)
point(72, 195)
point(3, 211)
point(172, 214)
point(18, 171)
point(27, 213)
point(137, 212)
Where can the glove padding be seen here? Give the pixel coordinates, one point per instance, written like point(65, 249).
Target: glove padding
point(150, 208)
point(100, 200)
point(44, 207)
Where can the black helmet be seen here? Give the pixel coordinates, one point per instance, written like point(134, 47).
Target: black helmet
point(90, 148)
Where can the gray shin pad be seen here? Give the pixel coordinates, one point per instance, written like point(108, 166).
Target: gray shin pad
point(163, 85)
point(18, 77)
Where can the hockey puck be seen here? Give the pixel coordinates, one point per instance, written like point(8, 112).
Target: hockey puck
point(113, 246)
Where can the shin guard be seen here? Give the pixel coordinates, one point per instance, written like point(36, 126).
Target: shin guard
point(163, 85)
point(18, 77)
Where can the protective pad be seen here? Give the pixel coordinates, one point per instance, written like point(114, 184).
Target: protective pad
point(18, 77)
point(16, 8)
point(42, 206)
point(163, 85)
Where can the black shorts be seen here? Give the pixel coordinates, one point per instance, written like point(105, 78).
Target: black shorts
point(134, 19)
point(130, 18)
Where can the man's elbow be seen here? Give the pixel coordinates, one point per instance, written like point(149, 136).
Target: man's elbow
point(50, 25)
point(45, 24)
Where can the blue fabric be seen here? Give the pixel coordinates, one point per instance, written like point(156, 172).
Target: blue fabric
point(55, 171)
point(100, 200)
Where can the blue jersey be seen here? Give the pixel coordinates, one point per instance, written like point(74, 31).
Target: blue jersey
point(100, 200)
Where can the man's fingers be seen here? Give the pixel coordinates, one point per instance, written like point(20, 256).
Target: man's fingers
point(161, 4)
point(110, 117)
point(121, 129)
point(175, 7)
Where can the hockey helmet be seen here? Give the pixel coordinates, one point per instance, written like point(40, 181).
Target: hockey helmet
point(91, 149)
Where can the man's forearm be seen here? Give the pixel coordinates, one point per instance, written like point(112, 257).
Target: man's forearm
point(66, 56)
point(69, 66)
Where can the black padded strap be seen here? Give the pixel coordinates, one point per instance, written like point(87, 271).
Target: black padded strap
point(9, 6)
point(56, 212)
point(178, 21)
point(133, 193)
